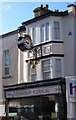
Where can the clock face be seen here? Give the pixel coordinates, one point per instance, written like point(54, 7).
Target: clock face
point(25, 43)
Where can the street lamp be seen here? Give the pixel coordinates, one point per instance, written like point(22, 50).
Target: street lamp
point(25, 43)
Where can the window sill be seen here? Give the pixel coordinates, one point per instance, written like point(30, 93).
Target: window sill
point(5, 77)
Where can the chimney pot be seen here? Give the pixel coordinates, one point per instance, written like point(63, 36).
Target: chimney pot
point(41, 6)
point(47, 6)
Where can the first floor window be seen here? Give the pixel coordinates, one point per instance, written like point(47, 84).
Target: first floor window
point(47, 31)
point(58, 67)
point(46, 69)
point(29, 31)
point(42, 33)
point(34, 35)
point(56, 30)
point(6, 62)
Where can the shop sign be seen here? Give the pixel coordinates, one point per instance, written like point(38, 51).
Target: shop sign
point(71, 89)
point(46, 90)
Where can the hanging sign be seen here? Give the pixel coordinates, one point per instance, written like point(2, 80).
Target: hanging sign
point(71, 89)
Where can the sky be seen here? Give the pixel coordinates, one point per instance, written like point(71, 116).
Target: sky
point(12, 14)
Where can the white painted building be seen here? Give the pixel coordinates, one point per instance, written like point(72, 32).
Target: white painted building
point(53, 33)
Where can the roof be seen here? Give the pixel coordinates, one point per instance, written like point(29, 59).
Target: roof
point(9, 33)
point(50, 13)
point(71, 5)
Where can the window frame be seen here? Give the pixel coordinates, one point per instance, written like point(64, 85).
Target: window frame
point(42, 33)
point(33, 73)
point(34, 35)
point(46, 71)
point(58, 67)
point(6, 62)
point(47, 32)
point(56, 30)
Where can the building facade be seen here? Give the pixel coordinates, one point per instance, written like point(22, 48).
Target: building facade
point(8, 68)
point(38, 91)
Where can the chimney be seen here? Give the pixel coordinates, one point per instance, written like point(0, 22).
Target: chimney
point(56, 10)
point(71, 9)
point(41, 10)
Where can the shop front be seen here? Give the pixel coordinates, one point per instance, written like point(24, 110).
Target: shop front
point(41, 100)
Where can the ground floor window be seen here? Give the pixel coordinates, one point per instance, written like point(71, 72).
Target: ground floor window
point(35, 108)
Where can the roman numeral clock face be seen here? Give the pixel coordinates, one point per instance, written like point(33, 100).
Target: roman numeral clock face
point(25, 43)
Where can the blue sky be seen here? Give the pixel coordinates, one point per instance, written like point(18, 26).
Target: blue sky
point(12, 14)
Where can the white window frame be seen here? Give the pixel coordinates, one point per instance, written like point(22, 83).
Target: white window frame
point(42, 33)
point(56, 30)
point(58, 67)
point(28, 31)
point(34, 35)
point(47, 31)
point(45, 69)
point(6, 59)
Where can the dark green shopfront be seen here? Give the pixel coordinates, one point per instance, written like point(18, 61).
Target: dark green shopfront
point(40, 100)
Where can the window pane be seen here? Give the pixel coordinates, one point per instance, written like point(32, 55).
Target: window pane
point(33, 74)
point(33, 71)
point(47, 31)
point(29, 31)
point(6, 62)
point(42, 33)
point(46, 69)
point(56, 30)
point(46, 62)
point(46, 75)
point(58, 68)
point(7, 54)
point(56, 24)
point(6, 70)
point(34, 35)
